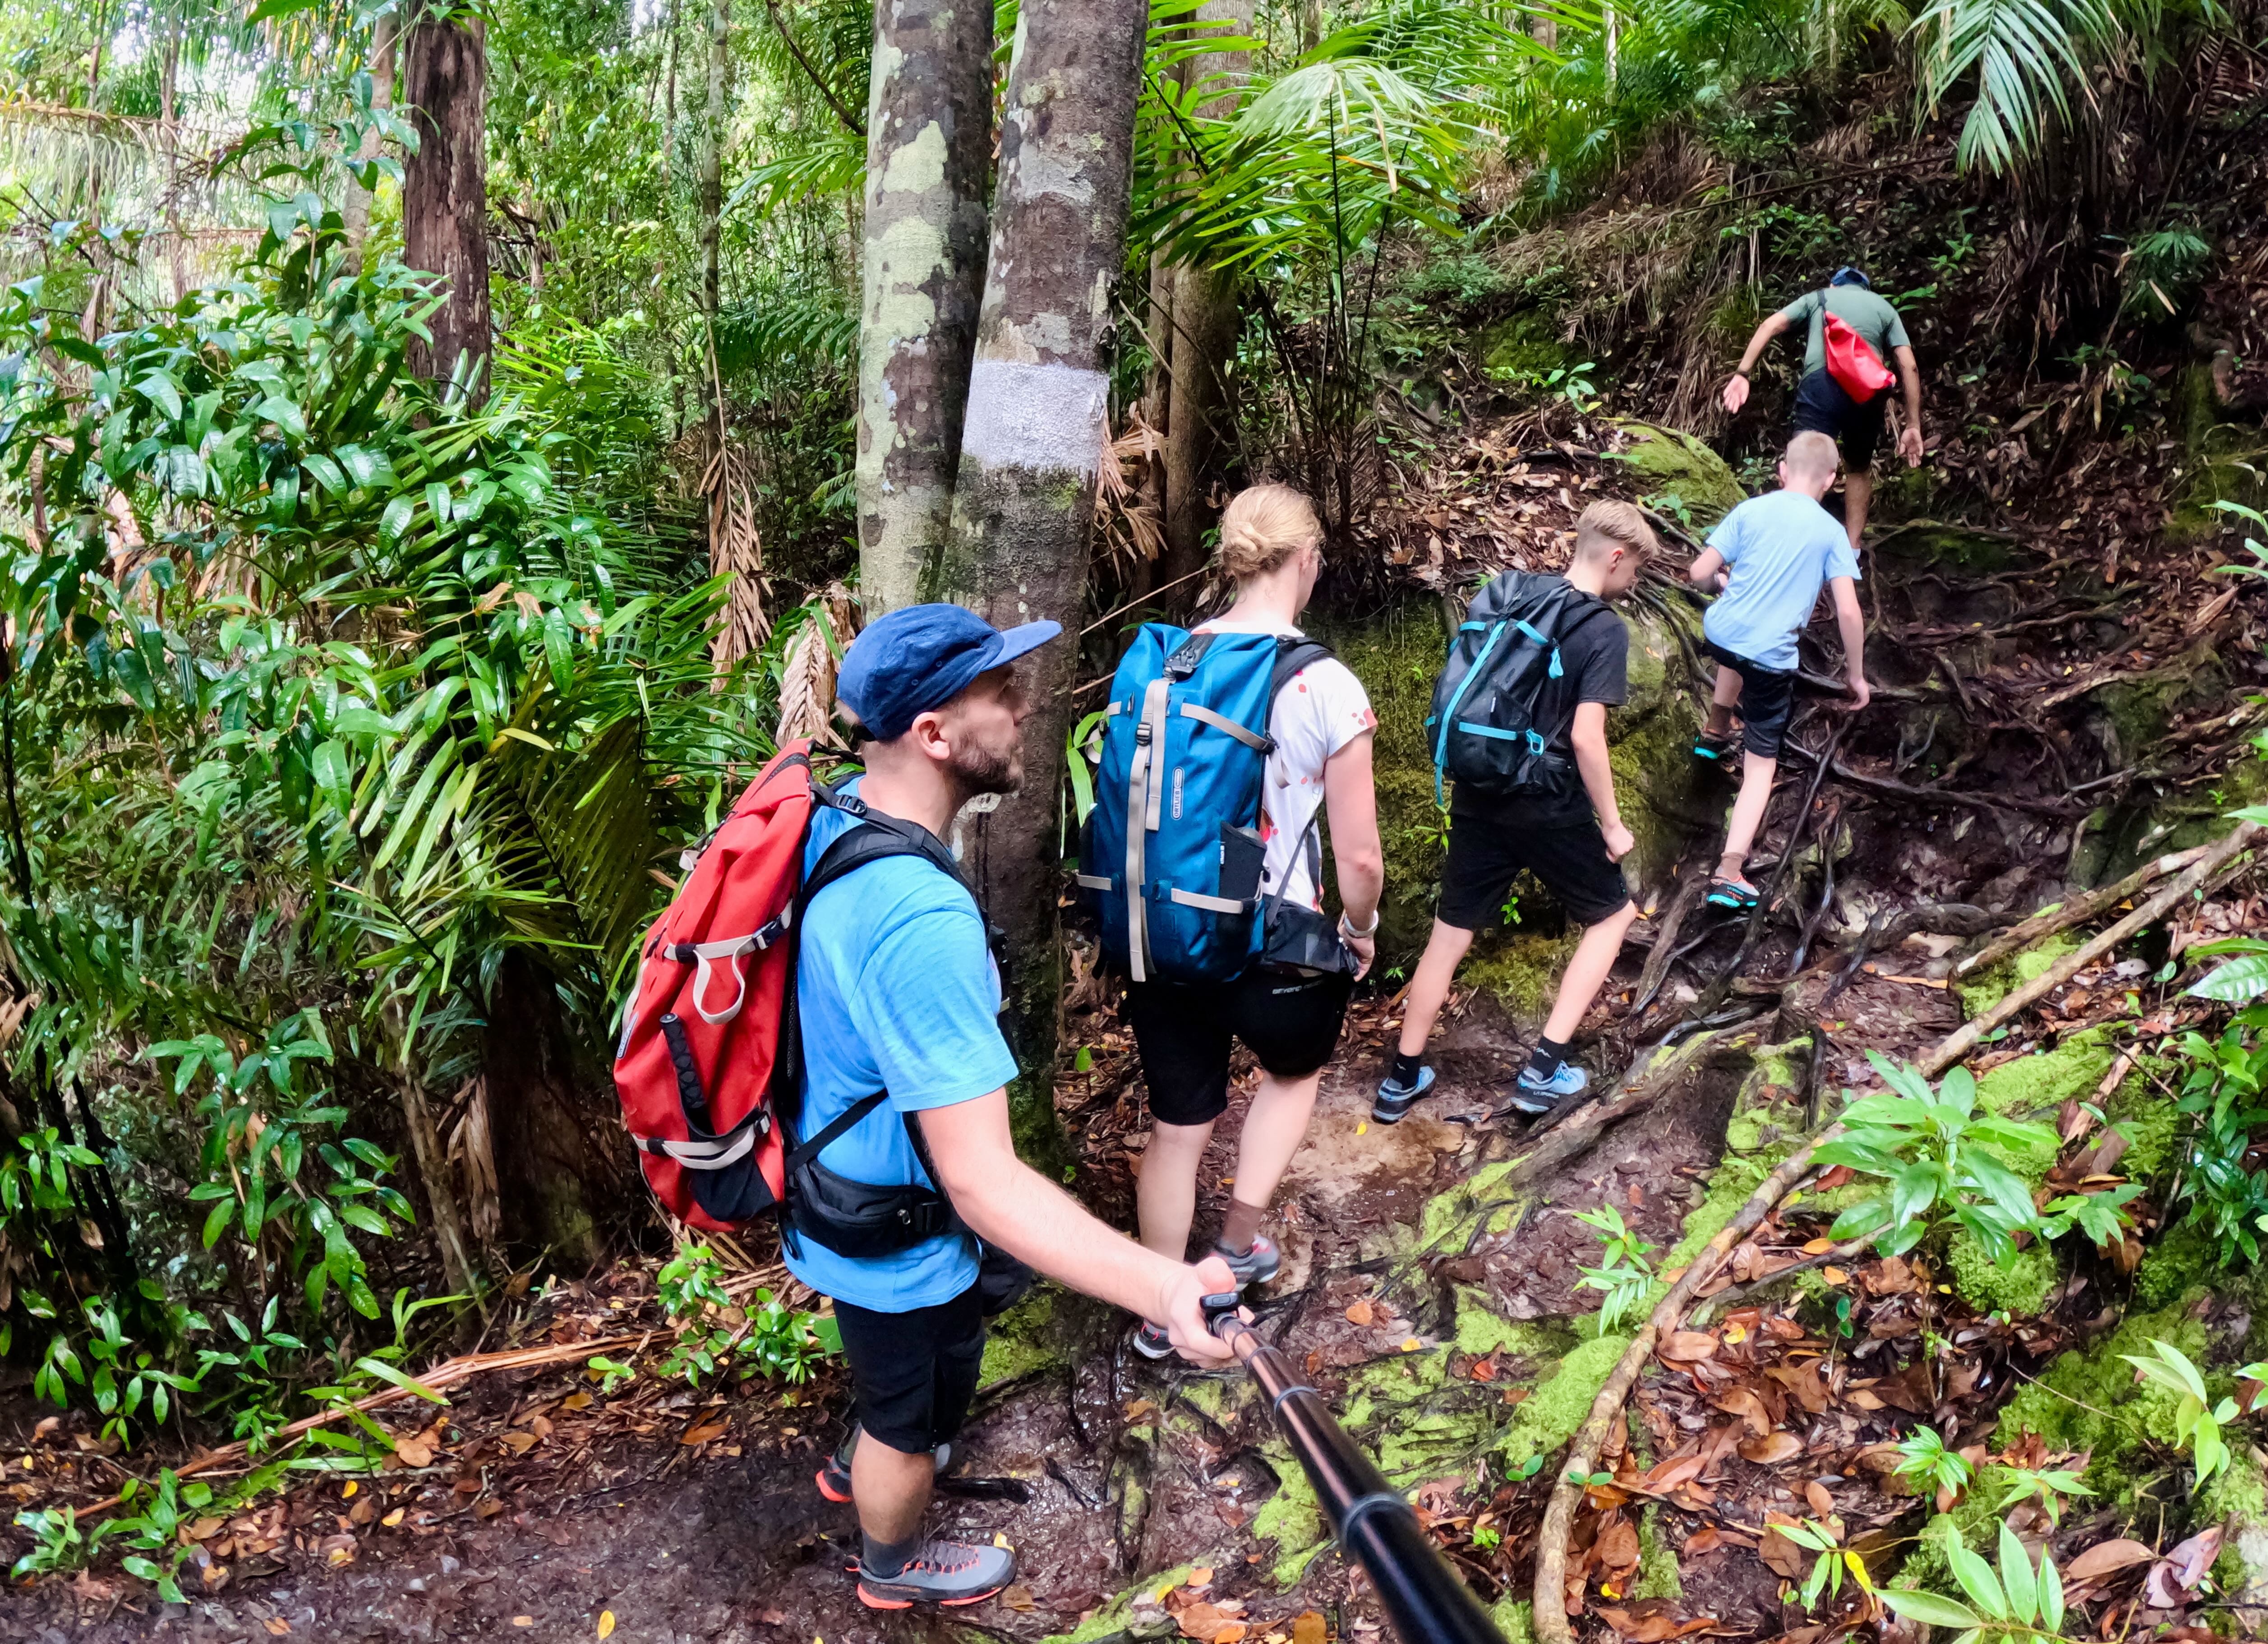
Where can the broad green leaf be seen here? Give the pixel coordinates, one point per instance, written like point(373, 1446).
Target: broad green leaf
point(2017, 1580)
point(1975, 1577)
point(386, 1373)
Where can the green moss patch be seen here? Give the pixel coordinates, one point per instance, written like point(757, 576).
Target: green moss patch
point(2088, 1400)
point(1668, 462)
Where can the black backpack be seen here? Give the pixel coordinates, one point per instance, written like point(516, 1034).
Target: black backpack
point(1495, 715)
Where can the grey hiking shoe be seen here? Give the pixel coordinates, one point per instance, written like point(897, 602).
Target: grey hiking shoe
point(1151, 1342)
point(942, 1573)
point(1394, 1099)
point(1536, 1097)
point(1254, 1266)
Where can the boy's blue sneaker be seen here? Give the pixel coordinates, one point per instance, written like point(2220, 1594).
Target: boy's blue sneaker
point(1536, 1097)
point(1395, 1099)
point(1736, 894)
point(1715, 747)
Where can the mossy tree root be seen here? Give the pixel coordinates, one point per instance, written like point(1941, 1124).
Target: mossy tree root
point(1964, 1039)
point(2074, 911)
point(1550, 1597)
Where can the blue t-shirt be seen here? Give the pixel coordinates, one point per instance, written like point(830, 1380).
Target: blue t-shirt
point(898, 992)
point(1782, 549)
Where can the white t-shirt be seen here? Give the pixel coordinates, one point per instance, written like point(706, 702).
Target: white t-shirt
point(1321, 709)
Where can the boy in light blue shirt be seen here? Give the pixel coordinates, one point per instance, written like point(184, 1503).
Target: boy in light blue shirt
point(1768, 559)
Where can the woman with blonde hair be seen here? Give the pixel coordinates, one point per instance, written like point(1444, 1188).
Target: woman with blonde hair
point(1321, 726)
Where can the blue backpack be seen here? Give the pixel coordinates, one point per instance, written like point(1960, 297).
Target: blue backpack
point(1172, 854)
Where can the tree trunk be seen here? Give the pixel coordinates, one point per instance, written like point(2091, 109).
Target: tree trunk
point(554, 1172)
point(1023, 511)
point(714, 116)
point(1206, 322)
point(929, 145)
point(355, 211)
point(445, 196)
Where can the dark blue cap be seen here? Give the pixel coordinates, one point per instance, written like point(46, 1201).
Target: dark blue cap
point(921, 657)
point(1848, 275)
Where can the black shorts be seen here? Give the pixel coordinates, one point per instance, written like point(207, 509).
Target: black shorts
point(1486, 853)
point(915, 1372)
point(1767, 702)
point(1183, 1032)
point(1821, 407)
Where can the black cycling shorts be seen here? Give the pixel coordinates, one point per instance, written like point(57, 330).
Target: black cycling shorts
point(1183, 1034)
point(1767, 702)
point(1821, 407)
point(1487, 852)
point(915, 1372)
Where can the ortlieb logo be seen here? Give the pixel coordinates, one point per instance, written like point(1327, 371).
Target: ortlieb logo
point(1177, 793)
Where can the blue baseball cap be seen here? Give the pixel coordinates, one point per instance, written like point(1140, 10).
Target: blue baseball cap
point(921, 657)
point(1848, 275)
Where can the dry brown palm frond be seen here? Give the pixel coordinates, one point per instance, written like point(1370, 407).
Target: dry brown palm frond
point(808, 673)
point(474, 1158)
point(736, 549)
point(1131, 530)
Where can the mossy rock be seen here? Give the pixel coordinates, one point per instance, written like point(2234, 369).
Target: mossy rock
point(1112, 1621)
point(1987, 988)
point(2228, 464)
point(2088, 1400)
point(1670, 463)
point(1525, 344)
point(1764, 1111)
point(1933, 546)
point(1027, 1338)
point(2018, 1287)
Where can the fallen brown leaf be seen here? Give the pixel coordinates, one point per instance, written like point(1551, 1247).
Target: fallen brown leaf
point(1360, 1313)
point(1309, 1627)
point(1689, 1345)
point(1617, 1545)
point(1784, 1556)
point(2107, 1557)
point(1019, 1597)
point(1822, 1501)
point(1744, 1402)
point(1702, 1541)
point(414, 1452)
point(701, 1435)
point(1772, 1449)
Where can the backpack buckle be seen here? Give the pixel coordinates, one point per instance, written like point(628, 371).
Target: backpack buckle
point(1142, 733)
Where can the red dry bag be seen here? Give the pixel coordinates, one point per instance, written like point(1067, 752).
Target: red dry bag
point(1852, 361)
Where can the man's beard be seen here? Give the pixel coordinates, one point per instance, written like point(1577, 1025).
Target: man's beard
point(982, 771)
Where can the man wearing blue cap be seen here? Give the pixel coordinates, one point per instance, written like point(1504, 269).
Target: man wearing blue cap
point(1822, 404)
point(898, 992)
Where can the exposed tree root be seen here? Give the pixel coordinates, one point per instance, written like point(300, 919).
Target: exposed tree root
point(2076, 911)
point(1964, 1039)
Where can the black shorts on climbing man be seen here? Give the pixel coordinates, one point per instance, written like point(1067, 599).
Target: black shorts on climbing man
point(1289, 1022)
point(1767, 701)
point(1822, 407)
point(1487, 851)
point(914, 1373)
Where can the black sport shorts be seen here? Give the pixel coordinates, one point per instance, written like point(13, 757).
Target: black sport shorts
point(1821, 407)
point(915, 1372)
point(1767, 702)
point(1485, 852)
point(1183, 1032)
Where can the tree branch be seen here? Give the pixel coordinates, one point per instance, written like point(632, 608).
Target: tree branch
point(851, 123)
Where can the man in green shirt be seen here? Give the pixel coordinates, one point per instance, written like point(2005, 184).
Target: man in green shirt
point(1821, 405)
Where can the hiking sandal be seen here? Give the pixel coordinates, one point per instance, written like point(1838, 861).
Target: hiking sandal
point(1735, 894)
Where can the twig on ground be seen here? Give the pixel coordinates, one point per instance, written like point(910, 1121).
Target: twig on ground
point(1550, 1606)
point(1957, 1045)
point(2076, 911)
point(447, 1373)
point(1712, 1306)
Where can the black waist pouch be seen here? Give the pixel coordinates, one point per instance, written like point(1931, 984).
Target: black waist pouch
point(861, 1219)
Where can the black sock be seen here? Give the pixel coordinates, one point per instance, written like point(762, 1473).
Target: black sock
point(1406, 1067)
point(1544, 1060)
point(886, 1559)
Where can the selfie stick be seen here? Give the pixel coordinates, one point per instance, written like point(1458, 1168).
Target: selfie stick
point(1426, 1600)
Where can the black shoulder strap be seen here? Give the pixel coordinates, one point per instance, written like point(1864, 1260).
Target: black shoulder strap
point(806, 1151)
point(1292, 655)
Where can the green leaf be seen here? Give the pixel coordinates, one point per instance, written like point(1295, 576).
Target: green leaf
point(1975, 1577)
point(161, 391)
point(1930, 1609)
point(2238, 982)
point(2050, 1593)
point(2016, 1577)
point(385, 1372)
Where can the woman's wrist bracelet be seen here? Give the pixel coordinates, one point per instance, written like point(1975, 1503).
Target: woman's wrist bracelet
point(1364, 934)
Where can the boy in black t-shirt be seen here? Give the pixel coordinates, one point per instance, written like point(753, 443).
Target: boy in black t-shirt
point(1572, 842)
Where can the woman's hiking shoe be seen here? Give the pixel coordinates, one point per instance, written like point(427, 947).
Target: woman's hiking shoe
point(1395, 1099)
point(1151, 1342)
point(1255, 1266)
point(1715, 747)
point(1537, 1096)
point(1735, 894)
point(834, 1476)
point(942, 1573)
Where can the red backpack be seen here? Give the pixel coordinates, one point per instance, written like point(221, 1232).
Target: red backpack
point(1852, 361)
point(710, 1068)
